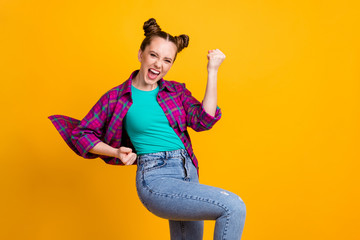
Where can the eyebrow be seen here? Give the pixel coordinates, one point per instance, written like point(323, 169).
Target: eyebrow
point(151, 51)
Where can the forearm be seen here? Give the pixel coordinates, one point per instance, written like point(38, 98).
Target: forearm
point(210, 98)
point(104, 149)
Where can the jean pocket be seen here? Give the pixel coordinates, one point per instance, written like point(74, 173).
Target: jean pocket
point(153, 164)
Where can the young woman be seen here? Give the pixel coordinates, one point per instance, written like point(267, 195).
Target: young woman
point(144, 121)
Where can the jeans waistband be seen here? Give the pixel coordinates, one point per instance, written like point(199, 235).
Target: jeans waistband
point(163, 154)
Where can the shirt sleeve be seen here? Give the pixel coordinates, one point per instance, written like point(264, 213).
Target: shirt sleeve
point(196, 116)
point(91, 128)
point(64, 125)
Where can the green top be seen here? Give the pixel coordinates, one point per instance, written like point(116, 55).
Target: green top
point(147, 126)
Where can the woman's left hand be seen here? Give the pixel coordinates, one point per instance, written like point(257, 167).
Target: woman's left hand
point(215, 58)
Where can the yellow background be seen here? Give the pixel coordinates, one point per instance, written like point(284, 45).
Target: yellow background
point(288, 141)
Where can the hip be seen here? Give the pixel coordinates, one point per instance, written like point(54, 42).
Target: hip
point(166, 164)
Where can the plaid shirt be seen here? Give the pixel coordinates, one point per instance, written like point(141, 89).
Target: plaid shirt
point(104, 122)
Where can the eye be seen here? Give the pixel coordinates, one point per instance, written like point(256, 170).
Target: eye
point(168, 61)
point(153, 55)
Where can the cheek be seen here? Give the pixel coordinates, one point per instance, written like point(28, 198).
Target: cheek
point(167, 67)
point(165, 70)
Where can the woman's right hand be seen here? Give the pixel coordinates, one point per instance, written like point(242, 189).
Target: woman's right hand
point(126, 155)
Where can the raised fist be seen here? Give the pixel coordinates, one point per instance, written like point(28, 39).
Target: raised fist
point(215, 58)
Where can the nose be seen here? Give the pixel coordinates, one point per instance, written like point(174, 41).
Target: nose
point(157, 64)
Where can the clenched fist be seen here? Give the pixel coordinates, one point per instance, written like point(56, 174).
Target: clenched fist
point(126, 155)
point(215, 58)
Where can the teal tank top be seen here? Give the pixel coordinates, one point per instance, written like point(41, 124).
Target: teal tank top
point(147, 126)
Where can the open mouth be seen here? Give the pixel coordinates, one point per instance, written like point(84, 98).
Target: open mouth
point(152, 74)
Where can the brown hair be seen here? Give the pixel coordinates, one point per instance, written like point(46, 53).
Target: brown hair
point(152, 29)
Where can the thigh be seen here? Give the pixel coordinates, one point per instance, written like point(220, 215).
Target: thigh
point(170, 189)
point(180, 200)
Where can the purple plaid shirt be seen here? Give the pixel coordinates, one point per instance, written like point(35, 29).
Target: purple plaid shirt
point(104, 122)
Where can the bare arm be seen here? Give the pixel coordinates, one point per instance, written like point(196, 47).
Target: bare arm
point(215, 58)
point(210, 98)
point(125, 154)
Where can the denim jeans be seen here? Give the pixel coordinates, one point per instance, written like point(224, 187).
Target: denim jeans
point(168, 186)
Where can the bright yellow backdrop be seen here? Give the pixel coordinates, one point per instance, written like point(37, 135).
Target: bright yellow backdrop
point(288, 141)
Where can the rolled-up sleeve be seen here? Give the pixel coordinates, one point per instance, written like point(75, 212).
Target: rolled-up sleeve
point(196, 116)
point(91, 128)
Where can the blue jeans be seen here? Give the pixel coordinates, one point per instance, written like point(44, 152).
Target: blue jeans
point(168, 186)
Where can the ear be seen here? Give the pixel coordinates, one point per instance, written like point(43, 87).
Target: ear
point(139, 55)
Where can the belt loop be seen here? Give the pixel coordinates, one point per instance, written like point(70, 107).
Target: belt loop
point(183, 154)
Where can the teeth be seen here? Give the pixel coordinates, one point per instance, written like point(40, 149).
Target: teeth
point(156, 72)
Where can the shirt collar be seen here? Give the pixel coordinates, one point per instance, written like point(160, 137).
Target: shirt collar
point(162, 84)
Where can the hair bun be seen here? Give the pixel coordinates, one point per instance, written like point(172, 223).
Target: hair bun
point(182, 41)
point(150, 27)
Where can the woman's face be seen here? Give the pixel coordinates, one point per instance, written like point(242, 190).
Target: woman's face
point(156, 60)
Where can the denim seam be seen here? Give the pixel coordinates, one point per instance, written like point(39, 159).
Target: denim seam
point(182, 230)
point(138, 192)
point(156, 167)
point(191, 197)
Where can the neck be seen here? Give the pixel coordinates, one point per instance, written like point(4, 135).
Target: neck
point(139, 83)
